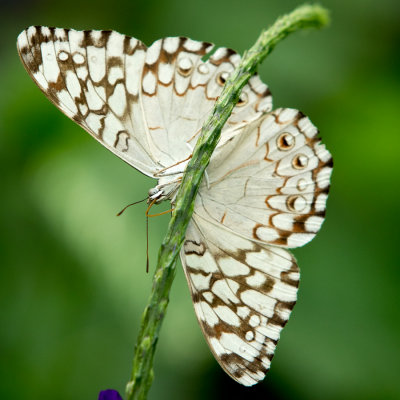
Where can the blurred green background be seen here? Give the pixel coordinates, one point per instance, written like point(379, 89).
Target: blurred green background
point(73, 282)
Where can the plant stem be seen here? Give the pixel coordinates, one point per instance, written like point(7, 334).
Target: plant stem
point(307, 16)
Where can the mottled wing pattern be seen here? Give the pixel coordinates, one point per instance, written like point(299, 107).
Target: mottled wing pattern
point(94, 77)
point(270, 183)
point(147, 105)
point(267, 186)
point(184, 88)
point(243, 293)
point(167, 73)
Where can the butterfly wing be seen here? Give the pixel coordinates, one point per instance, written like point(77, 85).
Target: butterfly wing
point(243, 293)
point(94, 78)
point(270, 183)
point(184, 88)
point(265, 189)
point(146, 105)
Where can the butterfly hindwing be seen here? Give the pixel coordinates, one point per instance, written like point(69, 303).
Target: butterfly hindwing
point(243, 293)
point(271, 182)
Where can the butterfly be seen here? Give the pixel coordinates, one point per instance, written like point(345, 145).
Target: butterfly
point(264, 191)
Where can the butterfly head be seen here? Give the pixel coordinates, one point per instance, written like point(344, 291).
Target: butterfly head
point(156, 194)
point(165, 190)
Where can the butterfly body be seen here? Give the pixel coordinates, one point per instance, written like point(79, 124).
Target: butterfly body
point(166, 189)
point(264, 190)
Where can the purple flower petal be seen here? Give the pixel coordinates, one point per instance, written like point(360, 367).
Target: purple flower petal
point(109, 394)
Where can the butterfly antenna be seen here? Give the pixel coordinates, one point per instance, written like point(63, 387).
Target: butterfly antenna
point(132, 204)
point(158, 214)
point(150, 205)
point(147, 246)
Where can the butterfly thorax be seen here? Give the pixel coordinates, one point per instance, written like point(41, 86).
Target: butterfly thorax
point(169, 179)
point(166, 189)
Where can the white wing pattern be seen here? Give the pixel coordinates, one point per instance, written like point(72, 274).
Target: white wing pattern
point(243, 293)
point(271, 182)
point(265, 188)
point(144, 104)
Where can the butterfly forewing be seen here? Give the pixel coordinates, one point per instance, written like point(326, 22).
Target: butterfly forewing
point(147, 105)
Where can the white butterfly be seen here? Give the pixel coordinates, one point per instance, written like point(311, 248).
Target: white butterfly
point(265, 188)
